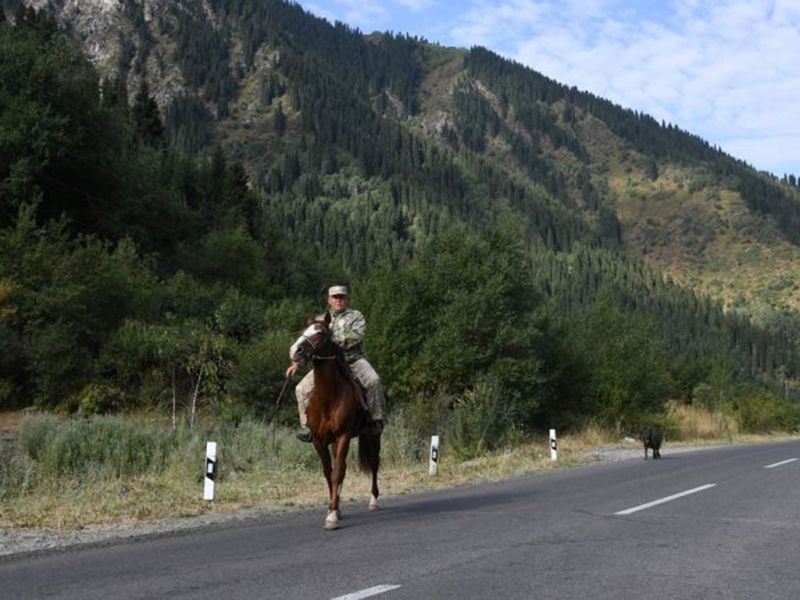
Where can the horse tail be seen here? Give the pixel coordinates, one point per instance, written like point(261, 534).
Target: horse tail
point(369, 447)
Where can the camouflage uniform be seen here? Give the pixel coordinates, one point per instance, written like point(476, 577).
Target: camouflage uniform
point(348, 329)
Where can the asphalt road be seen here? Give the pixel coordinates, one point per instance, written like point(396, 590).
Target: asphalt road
point(721, 523)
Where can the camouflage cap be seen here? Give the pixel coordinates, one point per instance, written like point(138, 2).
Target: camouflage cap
point(338, 290)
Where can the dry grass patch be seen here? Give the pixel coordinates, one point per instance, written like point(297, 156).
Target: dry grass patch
point(695, 423)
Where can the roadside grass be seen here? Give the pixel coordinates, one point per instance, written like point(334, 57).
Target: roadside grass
point(697, 424)
point(79, 473)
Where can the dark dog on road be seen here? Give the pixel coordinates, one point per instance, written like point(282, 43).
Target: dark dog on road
point(652, 439)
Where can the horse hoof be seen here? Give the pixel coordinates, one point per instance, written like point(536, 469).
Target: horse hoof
point(331, 521)
point(373, 503)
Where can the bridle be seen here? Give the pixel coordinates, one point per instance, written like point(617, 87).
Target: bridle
point(325, 335)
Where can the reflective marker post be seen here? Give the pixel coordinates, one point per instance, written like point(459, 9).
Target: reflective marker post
point(211, 470)
point(553, 446)
point(432, 467)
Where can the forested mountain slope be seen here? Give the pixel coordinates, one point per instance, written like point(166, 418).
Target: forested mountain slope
point(247, 148)
point(298, 100)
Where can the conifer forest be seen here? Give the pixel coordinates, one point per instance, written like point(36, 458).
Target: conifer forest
point(159, 249)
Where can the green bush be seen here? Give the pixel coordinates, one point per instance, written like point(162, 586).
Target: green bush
point(428, 414)
point(100, 398)
point(400, 444)
point(240, 317)
point(762, 412)
point(97, 446)
point(665, 423)
point(463, 310)
point(258, 373)
point(480, 420)
point(626, 361)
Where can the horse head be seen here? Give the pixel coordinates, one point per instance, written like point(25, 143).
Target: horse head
point(314, 341)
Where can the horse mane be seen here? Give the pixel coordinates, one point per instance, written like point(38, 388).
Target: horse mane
point(341, 362)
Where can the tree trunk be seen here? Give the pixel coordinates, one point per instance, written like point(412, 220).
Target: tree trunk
point(174, 401)
point(194, 399)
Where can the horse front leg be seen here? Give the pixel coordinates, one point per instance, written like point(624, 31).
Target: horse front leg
point(341, 447)
point(325, 459)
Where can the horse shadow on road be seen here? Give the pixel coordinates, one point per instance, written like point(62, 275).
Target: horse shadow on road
point(449, 501)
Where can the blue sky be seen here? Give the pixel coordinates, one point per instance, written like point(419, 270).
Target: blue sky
point(726, 70)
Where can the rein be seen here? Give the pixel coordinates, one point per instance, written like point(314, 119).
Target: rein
point(314, 347)
point(320, 342)
point(280, 395)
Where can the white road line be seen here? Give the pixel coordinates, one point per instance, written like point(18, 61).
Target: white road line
point(373, 591)
point(778, 464)
point(634, 509)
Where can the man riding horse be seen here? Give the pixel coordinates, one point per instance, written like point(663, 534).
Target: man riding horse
point(348, 328)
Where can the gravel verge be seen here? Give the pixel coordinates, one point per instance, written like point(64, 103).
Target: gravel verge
point(15, 542)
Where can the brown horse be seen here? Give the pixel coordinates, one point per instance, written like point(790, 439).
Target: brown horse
point(336, 414)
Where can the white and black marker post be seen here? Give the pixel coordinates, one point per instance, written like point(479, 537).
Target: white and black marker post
point(434, 455)
point(553, 445)
point(211, 470)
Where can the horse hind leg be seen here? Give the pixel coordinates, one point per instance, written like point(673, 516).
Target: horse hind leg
point(375, 494)
point(374, 465)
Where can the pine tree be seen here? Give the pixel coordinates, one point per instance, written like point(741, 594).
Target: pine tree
point(279, 120)
point(651, 170)
point(146, 119)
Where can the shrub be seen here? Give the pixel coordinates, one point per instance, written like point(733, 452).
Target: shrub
point(239, 316)
point(695, 421)
point(480, 421)
point(400, 443)
point(668, 424)
point(100, 398)
point(427, 414)
point(257, 375)
point(104, 446)
point(762, 412)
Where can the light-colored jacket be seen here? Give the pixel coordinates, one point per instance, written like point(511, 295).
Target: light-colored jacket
point(348, 329)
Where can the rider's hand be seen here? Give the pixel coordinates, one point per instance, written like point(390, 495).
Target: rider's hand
point(291, 370)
